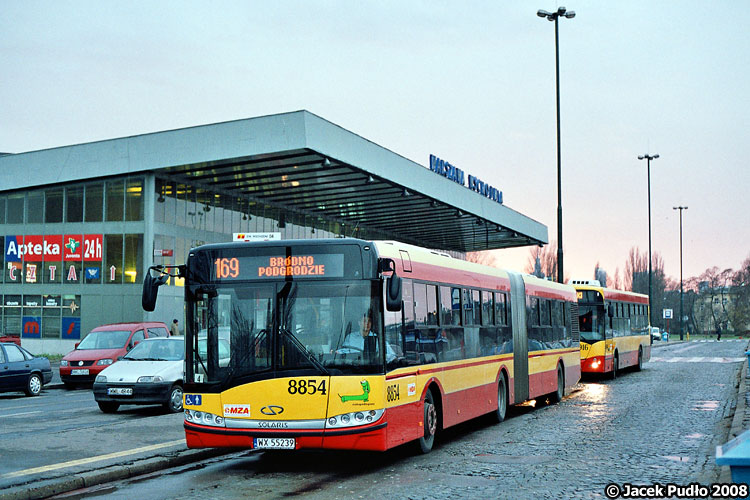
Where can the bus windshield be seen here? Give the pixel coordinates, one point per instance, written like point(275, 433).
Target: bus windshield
point(591, 322)
point(251, 331)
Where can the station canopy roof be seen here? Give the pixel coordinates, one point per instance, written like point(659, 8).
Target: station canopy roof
point(300, 163)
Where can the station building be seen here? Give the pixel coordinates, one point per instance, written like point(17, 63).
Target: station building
point(81, 224)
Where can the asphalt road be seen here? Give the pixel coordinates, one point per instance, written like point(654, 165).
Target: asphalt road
point(64, 431)
point(656, 426)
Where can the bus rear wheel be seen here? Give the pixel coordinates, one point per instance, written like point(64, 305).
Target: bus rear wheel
point(557, 396)
point(640, 359)
point(429, 423)
point(502, 401)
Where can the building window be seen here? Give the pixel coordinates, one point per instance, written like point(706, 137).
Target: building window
point(2, 210)
point(134, 200)
point(94, 202)
point(133, 258)
point(15, 209)
point(74, 204)
point(113, 258)
point(34, 207)
point(115, 200)
point(53, 205)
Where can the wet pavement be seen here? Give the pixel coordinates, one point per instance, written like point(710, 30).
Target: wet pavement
point(659, 425)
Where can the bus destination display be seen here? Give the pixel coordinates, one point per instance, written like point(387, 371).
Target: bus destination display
point(270, 267)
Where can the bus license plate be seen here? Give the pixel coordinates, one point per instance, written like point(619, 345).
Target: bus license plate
point(274, 443)
point(119, 391)
point(85, 371)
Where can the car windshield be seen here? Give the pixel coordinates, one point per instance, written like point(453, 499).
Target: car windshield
point(157, 350)
point(105, 339)
point(312, 326)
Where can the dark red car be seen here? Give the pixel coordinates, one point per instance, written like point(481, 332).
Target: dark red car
point(102, 346)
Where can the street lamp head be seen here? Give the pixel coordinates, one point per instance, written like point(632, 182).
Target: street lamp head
point(543, 13)
point(655, 157)
point(640, 157)
point(570, 15)
point(561, 11)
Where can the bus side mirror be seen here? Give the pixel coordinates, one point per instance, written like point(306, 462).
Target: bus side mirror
point(151, 288)
point(393, 293)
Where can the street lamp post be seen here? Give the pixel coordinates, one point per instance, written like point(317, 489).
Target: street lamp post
point(552, 16)
point(648, 159)
point(682, 327)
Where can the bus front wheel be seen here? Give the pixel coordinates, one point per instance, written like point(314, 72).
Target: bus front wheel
point(429, 423)
point(615, 365)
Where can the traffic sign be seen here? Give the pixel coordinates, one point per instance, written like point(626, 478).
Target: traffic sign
point(667, 314)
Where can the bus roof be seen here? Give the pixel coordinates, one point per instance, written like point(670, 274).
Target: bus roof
point(612, 294)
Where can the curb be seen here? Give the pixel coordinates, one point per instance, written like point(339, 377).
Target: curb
point(737, 427)
point(87, 479)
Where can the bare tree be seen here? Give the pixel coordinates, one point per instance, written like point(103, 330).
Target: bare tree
point(636, 279)
point(617, 281)
point(600, 275)
point(485, 257)
point(547, 258)
point(713, 305)
point(739, 314)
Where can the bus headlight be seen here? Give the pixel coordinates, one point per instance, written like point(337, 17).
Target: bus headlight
point(204, 418)
point(354, 419)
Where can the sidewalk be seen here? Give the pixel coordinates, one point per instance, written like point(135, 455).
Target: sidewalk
point(741, 419)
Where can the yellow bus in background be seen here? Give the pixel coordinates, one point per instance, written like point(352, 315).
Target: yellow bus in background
point(614, 328)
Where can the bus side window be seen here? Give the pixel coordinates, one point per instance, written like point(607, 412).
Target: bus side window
point(488, 308)
point(395, 338)
point(500, 308)
point(450, 306)
point(420, 304)
point(432, 308)
point(410, 333)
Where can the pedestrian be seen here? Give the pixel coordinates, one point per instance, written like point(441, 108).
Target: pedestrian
point(174, 330)
point(718, 332)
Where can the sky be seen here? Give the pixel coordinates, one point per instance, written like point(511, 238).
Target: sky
point(470, 82)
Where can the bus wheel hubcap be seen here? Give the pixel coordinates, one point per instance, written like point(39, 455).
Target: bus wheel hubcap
point(431, 419)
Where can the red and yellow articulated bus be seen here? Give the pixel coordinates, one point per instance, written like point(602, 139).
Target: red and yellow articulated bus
point(614, 328)
point(352, 344)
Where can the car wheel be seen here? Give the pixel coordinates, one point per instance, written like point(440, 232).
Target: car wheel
point(34, 385)
point(174, 403)
point(108, 407)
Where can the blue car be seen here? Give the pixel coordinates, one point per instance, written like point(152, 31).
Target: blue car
point(22, 371)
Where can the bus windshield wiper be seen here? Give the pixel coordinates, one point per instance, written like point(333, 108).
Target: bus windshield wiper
point(300, 346)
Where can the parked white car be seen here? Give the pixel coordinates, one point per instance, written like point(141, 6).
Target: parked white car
point(655, 335)
point(151, 373)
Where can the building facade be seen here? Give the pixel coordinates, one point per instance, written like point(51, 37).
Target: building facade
point(81, 224)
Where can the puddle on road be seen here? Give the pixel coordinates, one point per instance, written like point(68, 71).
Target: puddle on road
point(695, 435)
point(706, 405)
